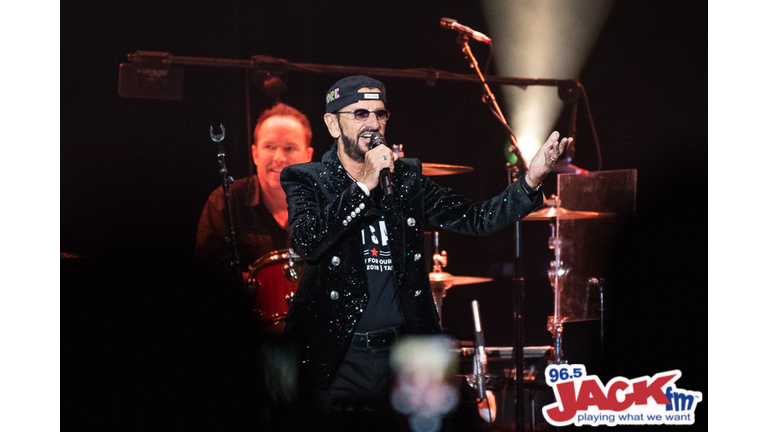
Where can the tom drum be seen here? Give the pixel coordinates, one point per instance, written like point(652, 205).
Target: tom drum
point(273, 280)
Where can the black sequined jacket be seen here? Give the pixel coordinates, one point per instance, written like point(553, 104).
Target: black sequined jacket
point(326, 212)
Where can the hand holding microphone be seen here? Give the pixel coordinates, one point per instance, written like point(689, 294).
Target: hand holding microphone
point(379, 164)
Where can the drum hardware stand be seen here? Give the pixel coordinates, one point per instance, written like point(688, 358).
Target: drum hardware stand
point(518, 299)
point(557, 274)
point(226, 180)
point(599, 283)
point(439, 260)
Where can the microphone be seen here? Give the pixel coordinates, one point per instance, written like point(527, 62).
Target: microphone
point(453, 25)
point(385, 177)
point(481, 360)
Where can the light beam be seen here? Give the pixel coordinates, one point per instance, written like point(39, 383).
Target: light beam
point(540, 39)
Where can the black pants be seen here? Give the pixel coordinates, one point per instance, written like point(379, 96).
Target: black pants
point(358, 397)
point(362, 382)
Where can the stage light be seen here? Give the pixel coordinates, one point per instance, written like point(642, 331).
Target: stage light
point(540, 39)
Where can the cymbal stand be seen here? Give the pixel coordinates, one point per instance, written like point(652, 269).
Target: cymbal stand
point(439, 260)
point(557, 274)
point(518, 321)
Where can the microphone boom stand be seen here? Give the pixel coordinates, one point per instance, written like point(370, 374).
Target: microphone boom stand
point(226, 180)
point(519, 282)
point(489, 98)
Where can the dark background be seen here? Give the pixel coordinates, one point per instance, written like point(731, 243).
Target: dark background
point(148, 343)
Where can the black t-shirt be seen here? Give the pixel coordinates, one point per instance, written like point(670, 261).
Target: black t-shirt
point(382, 310)
point(257, 231)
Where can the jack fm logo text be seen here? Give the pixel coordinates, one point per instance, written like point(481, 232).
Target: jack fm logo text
point(584, 400)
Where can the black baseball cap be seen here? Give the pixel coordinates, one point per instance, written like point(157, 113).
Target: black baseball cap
point(345, 92)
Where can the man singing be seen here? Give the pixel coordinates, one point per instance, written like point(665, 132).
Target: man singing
point(367, 279)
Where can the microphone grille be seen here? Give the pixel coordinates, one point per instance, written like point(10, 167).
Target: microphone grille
point(377, 139)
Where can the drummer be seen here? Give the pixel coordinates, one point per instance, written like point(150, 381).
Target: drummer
point(282, 137)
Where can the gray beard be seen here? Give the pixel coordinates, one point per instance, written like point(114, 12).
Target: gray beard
point(351, 149)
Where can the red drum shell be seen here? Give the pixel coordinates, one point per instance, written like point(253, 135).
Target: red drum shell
point(273, 280)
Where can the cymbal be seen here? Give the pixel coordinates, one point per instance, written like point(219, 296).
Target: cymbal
point(547, 213)
point(448, 280)
point(433, 169)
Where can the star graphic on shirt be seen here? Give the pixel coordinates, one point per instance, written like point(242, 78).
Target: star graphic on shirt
point(374, 252)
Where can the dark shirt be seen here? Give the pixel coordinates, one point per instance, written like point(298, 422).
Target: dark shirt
point(257, 231)
point(382, 310)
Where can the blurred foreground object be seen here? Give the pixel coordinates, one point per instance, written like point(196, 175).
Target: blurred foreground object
point(425, 389)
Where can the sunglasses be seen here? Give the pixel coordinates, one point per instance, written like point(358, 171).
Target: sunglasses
point(363, 114)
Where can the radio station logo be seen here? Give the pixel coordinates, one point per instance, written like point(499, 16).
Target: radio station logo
point(584, 400)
